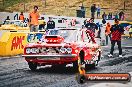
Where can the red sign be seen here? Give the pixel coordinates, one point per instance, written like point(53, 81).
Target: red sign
point(17, 42)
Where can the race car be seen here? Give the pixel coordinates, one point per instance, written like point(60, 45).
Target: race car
point(61, 47)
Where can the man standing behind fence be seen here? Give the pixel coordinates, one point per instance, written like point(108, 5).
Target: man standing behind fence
point(108, 32)
point(33, 20)
point(93, 10)
point(50, 24)
point(21, 16)
point(98, 11)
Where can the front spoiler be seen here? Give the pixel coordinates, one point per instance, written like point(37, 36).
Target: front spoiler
point(42, 56)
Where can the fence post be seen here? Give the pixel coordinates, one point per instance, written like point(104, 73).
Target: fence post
point(3, 2)
point(124, 5)
point(24, 6)
point(45, 3)
point(16, 17)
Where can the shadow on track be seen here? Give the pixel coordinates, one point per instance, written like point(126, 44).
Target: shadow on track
point(57, 70)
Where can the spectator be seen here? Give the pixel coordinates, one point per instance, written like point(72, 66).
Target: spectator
point(83, 11)
point(116, 16)
point(91, 26)
point(120, 15)
point(99, 27)
point(21, 16)
point(98, 11)
point(42, 23)
point(116, 31)
point(6, 20)
point(123, 17)
point(93, 10)
point(130, 31)
point(109, 16)
point(33, 20)
point(50, 24)
point(104, 16)
point(107, 32)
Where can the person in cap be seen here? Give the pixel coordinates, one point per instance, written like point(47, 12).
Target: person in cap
point(116, 32)
point(21, 16)
point(91, 25)
point(93, 10)
point(50, 24)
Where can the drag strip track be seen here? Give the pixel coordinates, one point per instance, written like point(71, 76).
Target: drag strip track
point(14, 72)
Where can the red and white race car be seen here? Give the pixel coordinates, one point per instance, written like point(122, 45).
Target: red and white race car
point(61, 47)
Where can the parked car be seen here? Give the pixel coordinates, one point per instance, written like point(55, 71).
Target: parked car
point(61, 47)
point(126, 25)
point(14, 25)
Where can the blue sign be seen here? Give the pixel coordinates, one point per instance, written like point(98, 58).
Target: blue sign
point(31, 38)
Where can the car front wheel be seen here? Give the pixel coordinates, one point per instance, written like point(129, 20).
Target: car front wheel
point(32, 66)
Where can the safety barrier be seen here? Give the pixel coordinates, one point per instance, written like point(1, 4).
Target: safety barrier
point(13, 43)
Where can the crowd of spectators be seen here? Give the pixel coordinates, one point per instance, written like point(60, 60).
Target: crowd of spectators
point(109, 16)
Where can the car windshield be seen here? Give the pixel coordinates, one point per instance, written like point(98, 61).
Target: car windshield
point(69, 35)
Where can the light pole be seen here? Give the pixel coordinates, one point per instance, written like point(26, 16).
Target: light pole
point(3, 2)
point(24, 6)
point(45, 3)
point(124, 4)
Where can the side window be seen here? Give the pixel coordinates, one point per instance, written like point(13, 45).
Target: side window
point(79, 37)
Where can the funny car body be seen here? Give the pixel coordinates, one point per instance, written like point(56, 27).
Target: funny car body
point(62, 47)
